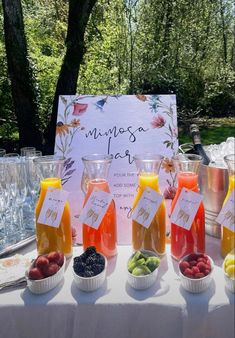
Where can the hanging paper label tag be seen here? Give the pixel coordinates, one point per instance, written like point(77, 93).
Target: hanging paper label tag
point(95, 208)
point(147, 207)
point(226, 216)
point(186, 208)
point(53, 207)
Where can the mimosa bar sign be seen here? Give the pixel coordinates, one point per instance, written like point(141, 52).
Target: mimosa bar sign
point(121, 126)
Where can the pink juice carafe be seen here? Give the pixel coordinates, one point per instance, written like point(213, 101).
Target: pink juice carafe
point(185, 241)
point(95, 176)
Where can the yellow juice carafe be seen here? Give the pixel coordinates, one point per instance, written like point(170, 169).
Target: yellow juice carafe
point(154, 237)
point(51, 238)
point(227, 235)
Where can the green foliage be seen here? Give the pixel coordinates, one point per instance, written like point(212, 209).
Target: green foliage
point(182, 46)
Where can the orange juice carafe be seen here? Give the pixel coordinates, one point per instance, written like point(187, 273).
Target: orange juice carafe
point(51, 238)
point(185, 241)
point(154, 237)
point(95, 176)
point(227, 235)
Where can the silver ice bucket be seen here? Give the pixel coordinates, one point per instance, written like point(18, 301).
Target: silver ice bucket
point(213, 183)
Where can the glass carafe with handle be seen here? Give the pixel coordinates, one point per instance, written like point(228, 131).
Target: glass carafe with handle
point(185, 241)
point(49, 238)
point(227, 235)
point(154, 237)
point(95, 177)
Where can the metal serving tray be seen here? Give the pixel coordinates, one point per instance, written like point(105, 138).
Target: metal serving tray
point(10, 249)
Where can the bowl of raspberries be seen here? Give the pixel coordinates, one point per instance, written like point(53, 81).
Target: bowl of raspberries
point(45, 272)
point(195, 272)
point(89, 270)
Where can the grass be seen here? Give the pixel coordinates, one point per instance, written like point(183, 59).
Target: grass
point(212, 132)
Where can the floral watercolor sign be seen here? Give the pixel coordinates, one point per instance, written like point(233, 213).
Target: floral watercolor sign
point(122, 126)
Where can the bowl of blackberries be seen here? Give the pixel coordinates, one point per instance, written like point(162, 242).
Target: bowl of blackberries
point(89, 270)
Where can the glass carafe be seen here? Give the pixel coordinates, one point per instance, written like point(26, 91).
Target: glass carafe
point(185, 241)
point(227, 235)
point(49, 169)
point(154, 237)
point(95, 176)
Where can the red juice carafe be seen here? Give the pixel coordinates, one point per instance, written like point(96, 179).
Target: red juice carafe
point(185, 241)
point(95, 178)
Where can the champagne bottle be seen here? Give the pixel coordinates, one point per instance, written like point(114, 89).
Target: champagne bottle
point(195, 134)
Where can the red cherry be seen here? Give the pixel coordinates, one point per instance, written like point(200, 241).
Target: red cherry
point(51, 269)
point(35, 274)
point(41, 262)
point(53, 257)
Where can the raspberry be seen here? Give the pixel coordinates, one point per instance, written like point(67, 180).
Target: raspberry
point(193, 263)
point(201, 259)
point(188, 272)
point(206, 272)
point(199, 275)
point(201, 266)
point(192, 257)
point(184, 265)
point(195, 270)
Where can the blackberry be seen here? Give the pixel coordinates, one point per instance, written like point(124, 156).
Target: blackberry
point(81, 274)
point(97, 268)
point(77, 260)
point(91, 260)
point(88, 267)
point(100, 259)
point(83, 257)
point(79, 267)
point(90, 250)
point(88, 273)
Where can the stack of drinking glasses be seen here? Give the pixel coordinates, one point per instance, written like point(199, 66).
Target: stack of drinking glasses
point(19, 188)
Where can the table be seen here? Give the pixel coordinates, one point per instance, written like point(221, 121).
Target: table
point(116, 310)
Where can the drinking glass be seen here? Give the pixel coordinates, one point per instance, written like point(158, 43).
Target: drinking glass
point(33, 184)
point(2, 152)
point(18, 191)
point(4, 204)
point(11, 155)
point(27, 151)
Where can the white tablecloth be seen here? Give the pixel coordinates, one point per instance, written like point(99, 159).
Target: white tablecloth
point(118, 311)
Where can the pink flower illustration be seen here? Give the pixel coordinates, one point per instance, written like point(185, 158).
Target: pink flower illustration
point(79, 108)
point(158, 122)
point(169, 193)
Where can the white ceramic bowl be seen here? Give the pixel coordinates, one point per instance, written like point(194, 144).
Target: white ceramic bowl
point(143, 282)
point(46, 284)
point(89, 284)
point(196, 285)
point(230, 283)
